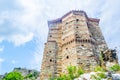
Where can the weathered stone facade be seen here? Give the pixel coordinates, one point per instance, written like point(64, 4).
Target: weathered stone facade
point(74, 39)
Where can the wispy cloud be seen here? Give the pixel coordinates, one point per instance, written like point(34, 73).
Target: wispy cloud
point(35, 62)
point(19, 24)
point(19, 39)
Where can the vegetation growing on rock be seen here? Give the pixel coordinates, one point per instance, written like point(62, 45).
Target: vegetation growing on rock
point(21, 74)
point(73, 72)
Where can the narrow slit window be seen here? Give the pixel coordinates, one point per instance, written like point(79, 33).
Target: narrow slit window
point(77, 20)
point(67, 57)
point(50, 60)
point(82, 45)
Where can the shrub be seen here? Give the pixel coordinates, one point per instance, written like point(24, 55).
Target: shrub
point(80, 71)
point(101, 75)
point(115, 67)
point(73, 72)
point(95, 77)
point(99, 69)
point(98, 76)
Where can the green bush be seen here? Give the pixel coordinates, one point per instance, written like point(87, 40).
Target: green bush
point(73, 72)
point(99, 69)
point(116, 67)
point(101, 75)
point(95, 77)
point(80, 71)
point(98, 76)
point(62, 77)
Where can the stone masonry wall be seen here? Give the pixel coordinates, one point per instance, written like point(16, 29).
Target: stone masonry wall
point(74, 39)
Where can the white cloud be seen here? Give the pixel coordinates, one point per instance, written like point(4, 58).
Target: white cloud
point(18, 39)
point(110, 19)
point(27, 22)
point(33, 15)
point(14, 61)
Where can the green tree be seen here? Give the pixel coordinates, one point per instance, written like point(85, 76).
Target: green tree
point(13, 76)
point(36, 74)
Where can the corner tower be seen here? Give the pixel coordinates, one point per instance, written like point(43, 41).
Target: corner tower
point(74, 39)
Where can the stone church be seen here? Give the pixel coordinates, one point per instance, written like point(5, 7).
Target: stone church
point(73, 39)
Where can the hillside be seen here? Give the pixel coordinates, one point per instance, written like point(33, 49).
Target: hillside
point(27, 74)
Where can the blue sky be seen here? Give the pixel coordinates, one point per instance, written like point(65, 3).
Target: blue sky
point(23, 27)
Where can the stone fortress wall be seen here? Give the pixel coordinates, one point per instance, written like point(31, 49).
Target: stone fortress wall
point(74, 39)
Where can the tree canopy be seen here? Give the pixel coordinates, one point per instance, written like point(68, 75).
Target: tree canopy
point(13, 76)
